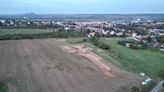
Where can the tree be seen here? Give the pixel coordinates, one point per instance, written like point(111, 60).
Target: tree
point(3, 87)
point(0, 24)
point(160, 26)
point(161, 39)
point(97, 42)
point(149, 39)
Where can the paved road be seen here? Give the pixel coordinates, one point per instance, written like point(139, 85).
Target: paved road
point(158, 87)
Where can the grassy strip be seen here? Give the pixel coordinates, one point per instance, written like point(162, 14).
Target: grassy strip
point(37, 34)
point(147, 61)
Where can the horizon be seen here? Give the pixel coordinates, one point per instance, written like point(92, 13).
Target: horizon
point(82, 14)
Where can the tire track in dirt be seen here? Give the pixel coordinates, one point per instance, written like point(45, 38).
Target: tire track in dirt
point(27, 64)
point(59, 79)
point(25, 85)
point(30, 49)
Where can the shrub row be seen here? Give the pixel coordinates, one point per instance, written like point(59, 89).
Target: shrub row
point(97, 42)
point(133, 45)
point(42, 35)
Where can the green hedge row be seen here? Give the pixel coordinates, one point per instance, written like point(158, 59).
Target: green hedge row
point(97, 42)
point(42, 35)
point(133, 45)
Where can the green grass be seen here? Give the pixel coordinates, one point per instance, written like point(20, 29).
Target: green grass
point(3, 87)
point(75, 40)
point(23, 31)
point(15, 34)
point(162, 91)
point(149, 62)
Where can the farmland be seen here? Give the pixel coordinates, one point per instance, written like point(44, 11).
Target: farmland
point(147, 61)
point(15, 34)
point(23, 31)
point(39, 65)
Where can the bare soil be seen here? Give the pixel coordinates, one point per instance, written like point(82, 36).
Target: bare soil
point(87, 52)
point(41, 66)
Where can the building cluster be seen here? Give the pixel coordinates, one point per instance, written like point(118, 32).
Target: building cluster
point(22, 23)
point(137, 29)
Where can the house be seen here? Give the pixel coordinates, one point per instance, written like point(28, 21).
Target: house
point(134, 35)
point(3, 21)
point(112, 33)
point(92, 34)
point(119, 34)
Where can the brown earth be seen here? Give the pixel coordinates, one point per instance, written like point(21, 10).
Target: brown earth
point(41, 66)
point(87, 52)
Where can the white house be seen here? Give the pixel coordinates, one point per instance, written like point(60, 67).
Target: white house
point(112, 33)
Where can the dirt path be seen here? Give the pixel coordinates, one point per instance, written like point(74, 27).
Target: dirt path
point(41, 66)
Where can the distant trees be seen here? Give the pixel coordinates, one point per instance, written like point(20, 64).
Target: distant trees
point(160, 26)
point(133, 44)
point(140, 31)
point(55, 34)
point(149, 39)
point(1, 24)
point(160, 39)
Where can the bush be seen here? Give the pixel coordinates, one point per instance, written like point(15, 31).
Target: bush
point(161, 74)
point(133, 44)
point(135, 89)
point(160, 39)
point(84, 40)
point(123, 43)
point(3, 87)
point(57, 34)
point(148, 87)
point(97, 42)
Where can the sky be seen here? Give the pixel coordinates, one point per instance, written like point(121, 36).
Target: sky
point(81, 6)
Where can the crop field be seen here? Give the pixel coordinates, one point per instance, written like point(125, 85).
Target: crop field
point(23, 31)
point(16, 34)
point(39, 65)
point(147, 61)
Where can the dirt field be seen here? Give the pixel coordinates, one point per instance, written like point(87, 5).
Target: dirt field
point(41, 66)
point(88, 53)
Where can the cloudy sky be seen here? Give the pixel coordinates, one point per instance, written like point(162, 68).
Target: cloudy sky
point(81, 6)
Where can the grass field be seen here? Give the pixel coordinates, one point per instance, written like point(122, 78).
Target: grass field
point(23, 31)
point(149, 62)
point(15, 34)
